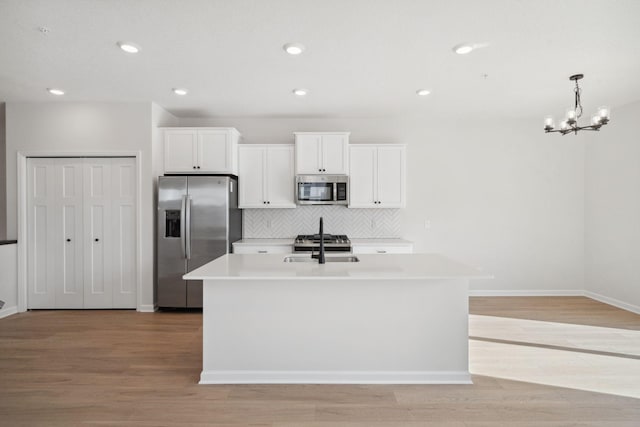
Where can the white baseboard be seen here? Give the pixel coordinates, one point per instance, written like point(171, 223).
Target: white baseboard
point(612, 301)
point(8, 311)
point(335, 377)
point(527, 293)
point(146, 308)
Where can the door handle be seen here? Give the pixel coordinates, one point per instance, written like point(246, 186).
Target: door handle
point(188, 227)
point(183, 220)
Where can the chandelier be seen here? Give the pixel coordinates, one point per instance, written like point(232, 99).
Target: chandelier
point(570, 123)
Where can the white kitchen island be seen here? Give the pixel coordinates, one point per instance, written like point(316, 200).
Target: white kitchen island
point(386, 319)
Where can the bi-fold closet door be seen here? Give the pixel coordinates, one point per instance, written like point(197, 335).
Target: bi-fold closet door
point(81, 233)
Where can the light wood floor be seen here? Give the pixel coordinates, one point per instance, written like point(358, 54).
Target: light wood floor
point(67, 368)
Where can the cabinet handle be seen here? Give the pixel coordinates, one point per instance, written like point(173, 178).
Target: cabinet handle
point(97, 240)
point(268, 203)
point(382, 252)
point(68, 240)
point(194, 167)
point(319, 170)
point(262, 252)
point(198, 167)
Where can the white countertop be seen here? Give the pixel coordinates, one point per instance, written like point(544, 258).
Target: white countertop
point(265, 242)
point(396, 266)
point(289, 241)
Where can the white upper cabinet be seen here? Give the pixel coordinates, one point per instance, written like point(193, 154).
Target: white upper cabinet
point(322, 153)
point(201, 150)
point(266, 176)
point(377, 176)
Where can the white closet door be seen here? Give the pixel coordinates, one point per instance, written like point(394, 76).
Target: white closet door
point(98, 238)
point(68, 232)
point(123, 226)
point(41, 247)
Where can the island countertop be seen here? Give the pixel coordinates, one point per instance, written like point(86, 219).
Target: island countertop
point(391, 266)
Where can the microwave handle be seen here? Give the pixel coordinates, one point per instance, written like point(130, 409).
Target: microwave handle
point(335, 191)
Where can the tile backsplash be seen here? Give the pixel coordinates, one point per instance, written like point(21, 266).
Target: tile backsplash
point(356, 223)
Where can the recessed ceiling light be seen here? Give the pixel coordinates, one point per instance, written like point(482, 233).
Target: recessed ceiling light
point(54, 91)
point(179, 91)
point(463, 48)
point(300, 92)
point(293, 48)
point(423, 92)
point(129, 47)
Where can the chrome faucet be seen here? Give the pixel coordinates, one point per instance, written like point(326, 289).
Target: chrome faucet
point(320, 255)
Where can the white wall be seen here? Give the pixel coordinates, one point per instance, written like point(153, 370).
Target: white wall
point(500, 195)
point(612, 210)
point(3, 174)
point(85, 128)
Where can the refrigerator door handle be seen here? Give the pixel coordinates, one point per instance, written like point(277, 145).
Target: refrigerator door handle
point(183, 228)
point(188, 227)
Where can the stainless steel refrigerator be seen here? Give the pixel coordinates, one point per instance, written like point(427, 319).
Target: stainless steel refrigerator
point(198, 220)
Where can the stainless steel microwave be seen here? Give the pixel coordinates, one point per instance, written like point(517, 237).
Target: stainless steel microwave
point(322, 189)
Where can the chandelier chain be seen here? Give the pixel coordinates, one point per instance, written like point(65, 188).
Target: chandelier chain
point(578, 106)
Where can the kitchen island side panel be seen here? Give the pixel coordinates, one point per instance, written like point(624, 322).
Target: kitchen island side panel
point(335, 331)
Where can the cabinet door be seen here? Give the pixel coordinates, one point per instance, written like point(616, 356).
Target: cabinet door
point(280, 177)
point(41, 235)
point(251, 174)
point(180, 151)
point(334, 154)
point(123, 226)
point(308, 154)
point(98, 237)
point(214, 151)
point(391, 177)
point(69, 245)
point(362, 176)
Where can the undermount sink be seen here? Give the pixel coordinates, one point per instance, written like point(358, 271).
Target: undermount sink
point(327, 259)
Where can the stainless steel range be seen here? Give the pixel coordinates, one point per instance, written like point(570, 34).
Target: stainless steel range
point(332, 243)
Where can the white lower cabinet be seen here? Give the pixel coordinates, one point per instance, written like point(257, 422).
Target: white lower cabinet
point(356, 249)
point(261, 248)
point(381, 246)
point(266, 176)
point(81, 233)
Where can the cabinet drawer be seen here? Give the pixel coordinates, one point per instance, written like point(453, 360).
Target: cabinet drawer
point(247, 249)
point(399, 249)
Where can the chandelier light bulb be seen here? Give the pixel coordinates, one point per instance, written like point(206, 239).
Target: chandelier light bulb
point(548, 123)
point(604, 112)
point(571, 116)
point(564, 125)
point(595, 120)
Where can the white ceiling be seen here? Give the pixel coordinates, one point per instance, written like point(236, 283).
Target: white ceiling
point(363, 58)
